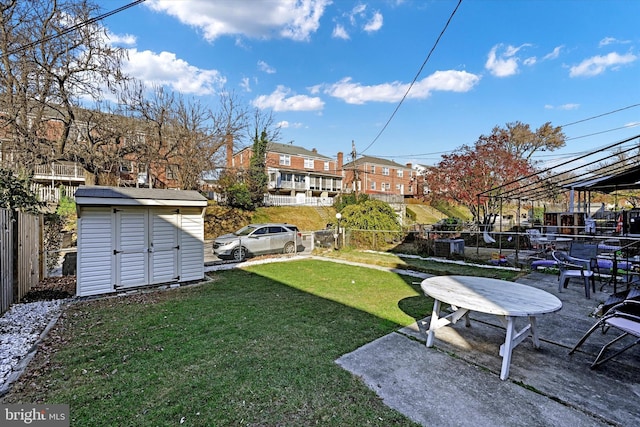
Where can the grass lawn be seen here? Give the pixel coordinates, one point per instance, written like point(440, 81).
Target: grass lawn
point(251, 347)
point(391, 260)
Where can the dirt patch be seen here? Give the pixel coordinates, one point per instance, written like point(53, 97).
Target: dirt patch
point(52, 288)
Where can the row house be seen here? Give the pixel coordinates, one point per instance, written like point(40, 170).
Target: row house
point(52, 179)
point(376, 176)
point(296, 175)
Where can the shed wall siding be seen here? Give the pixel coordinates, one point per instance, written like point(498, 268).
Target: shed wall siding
point(192, 245)
point(164, 239)
point(95, 252)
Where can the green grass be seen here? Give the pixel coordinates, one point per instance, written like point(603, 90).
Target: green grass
point(252, 347)
point(390, 260)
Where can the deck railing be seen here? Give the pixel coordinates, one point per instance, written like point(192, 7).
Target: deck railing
point(59, 171)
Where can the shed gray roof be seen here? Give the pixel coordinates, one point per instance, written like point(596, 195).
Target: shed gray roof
point(99, 195)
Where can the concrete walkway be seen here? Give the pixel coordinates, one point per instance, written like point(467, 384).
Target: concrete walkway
point(456, 383)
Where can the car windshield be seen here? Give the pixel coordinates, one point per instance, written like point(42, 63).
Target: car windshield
point(244, 231)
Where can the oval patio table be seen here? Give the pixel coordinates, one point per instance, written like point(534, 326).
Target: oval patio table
point(508, 300)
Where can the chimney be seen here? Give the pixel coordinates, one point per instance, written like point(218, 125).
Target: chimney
point(409, 165)
point(339, 162)
point(229, 144)
point(314, 150)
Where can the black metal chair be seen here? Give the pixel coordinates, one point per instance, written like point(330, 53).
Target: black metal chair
point(569, 268)
point(624, 317)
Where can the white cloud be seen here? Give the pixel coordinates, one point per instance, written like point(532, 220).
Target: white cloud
point(166, 70)
point(339, 32)
point(121, 39)
point(374, 24)
point(263, 66)
point(356, 93)
point(282, 100)
point(555, 53)
point(285, 124)
point(530, 61)
point(566, 107)
point(611, 40)
point(293, 19)
point(503, 64)
point(245, 84)
point(358, 17)
point(632, 124)
point(599, 64)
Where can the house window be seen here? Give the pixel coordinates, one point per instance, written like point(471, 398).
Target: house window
point(285, 160)
point(308, 163)
point(398, 187)
point(400, 173)
point(373, 169)
point(373, 185)
point(172, 172)
point(326, 166)
point(385, 171)
point(125, 167)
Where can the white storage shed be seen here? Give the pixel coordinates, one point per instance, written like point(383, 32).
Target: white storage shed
point(131, 237)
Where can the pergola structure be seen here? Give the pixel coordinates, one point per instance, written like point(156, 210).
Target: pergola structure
point(610, 169)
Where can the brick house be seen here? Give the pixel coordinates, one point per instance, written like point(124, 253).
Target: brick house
point(53, 176)
point(375, 176)
point(296, 172)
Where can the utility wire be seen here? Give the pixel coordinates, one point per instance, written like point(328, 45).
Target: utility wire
point(541, 155)
point(72, 28)
point(414, 79)
point(600, 115)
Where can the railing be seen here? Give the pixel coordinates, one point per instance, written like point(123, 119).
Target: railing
point(274, 200)
point(288, 184)
point(49, 194)
point(59, 171)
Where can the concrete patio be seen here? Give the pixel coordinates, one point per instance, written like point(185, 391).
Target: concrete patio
point(456, 383)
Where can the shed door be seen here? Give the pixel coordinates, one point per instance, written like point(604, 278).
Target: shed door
point(146, 246)
point(131, 248)
point(163, 246)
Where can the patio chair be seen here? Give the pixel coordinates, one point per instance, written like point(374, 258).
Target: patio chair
point(535, 237)
point(569, 268)
point(624, 317)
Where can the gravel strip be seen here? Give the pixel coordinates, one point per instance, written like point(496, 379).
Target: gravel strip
point(21, 328)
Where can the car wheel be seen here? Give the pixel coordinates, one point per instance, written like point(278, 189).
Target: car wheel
point(239, 254)
point(289, 248)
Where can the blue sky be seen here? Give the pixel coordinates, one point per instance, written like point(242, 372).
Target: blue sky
point(334, 71)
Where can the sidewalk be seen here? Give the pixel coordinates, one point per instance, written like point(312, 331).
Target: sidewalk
point(456, 383)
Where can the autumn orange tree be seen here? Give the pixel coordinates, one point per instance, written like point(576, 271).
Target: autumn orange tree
point(489, 166)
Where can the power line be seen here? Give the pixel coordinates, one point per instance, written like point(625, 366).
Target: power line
point(540, 155)
point(600, 115)
point(72, 28)
point(414, 79)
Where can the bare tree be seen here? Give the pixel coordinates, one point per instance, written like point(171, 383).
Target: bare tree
point(46, 71)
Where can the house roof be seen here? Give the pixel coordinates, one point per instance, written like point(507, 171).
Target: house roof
point(293, 150)
point(129, 196)
point(376, 161)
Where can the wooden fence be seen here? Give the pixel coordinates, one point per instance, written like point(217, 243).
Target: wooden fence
point(20, 259)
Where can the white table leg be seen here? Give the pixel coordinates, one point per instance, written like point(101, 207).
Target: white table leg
point(508, 348)
point(435, 314)
point(534, 331)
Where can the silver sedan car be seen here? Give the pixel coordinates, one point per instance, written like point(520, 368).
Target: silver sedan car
point(258, 239)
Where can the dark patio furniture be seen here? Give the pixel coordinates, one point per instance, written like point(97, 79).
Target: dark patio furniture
point(625, 317)
point(570, 267)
